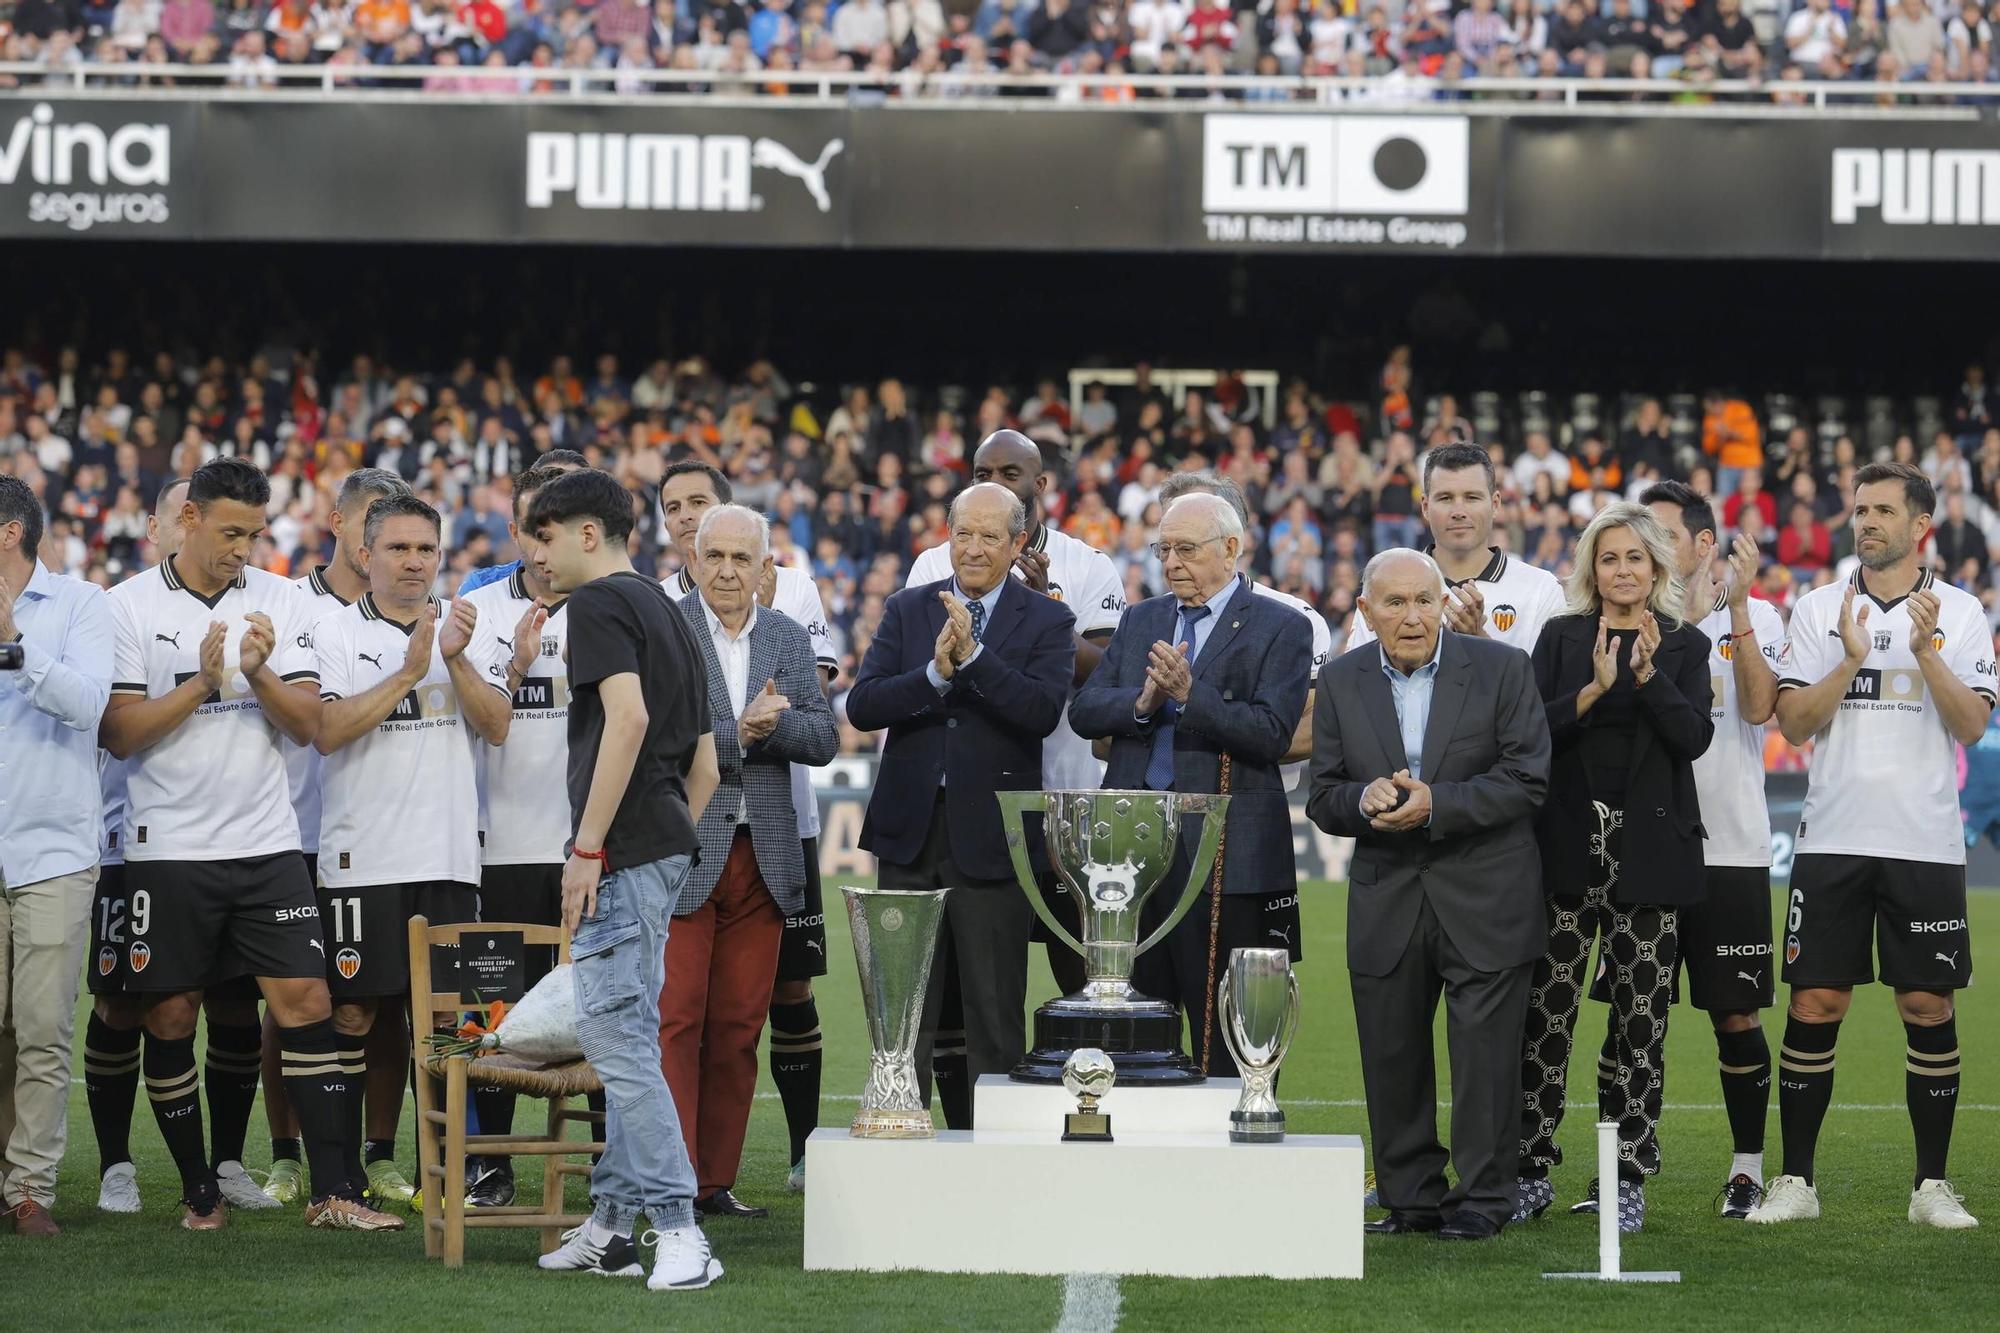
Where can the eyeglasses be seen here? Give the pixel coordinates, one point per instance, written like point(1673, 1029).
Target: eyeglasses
point(1182, 551)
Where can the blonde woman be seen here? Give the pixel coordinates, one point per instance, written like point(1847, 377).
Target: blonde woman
point(1625, 682)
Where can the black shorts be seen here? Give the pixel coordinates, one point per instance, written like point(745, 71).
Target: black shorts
point(524, 896)
point(802, 948)
point(192, 923)
point(108, 972)
point(1726, 943)
point(1912, 911)
point(366, 930)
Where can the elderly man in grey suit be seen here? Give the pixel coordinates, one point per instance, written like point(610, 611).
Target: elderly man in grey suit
point(1431, 750)
point(1200, 690)
point(722, 949)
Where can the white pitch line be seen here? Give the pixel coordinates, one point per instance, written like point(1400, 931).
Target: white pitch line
point(1355, 1103)
point(1090, 1303)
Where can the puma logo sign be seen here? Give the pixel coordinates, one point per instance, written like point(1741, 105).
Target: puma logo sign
point(1754, 978)
point(816, 947)
point(1948, 959)
point(1276, 934)
point(173, 639)
point(375, 661)
point(318, 944)
point(774, 156)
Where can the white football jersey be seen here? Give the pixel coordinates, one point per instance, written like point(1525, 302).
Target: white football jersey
point(213, 789)
point(1730, 774)
point(302, 761)
point(112, 775)
point(1322, 649)
point(796, 597)
point(1082, 578)
point(524, 816)
point(1884, 776)
point(400, 805)
point(1519, 598)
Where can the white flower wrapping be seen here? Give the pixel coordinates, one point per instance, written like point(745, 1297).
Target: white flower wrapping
point(542, 1027)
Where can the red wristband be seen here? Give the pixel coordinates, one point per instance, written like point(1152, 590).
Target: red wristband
point(598, 856)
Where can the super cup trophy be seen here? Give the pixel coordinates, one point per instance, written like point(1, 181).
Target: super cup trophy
point(1111, 849)
point(1258, 1003)
point(895, 936)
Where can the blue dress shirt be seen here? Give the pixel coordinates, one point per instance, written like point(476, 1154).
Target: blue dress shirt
point(1205, 626)
point(1412, 694)
point(51, 809)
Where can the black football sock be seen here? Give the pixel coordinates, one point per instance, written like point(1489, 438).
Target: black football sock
point(230, 1074)
point(795, 1068)
point(175, 1090)
point(324, 1085)
point(1805, 1090)
point(495, 1107)
point(287, 1150)
point(953, 1078)
point(1931, 1085)
point(111, 1084)
point(1745, 1058)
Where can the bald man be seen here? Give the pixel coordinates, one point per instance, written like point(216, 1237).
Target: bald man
point(1431, 750)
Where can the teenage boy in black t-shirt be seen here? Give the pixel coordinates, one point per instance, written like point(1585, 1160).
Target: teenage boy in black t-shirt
point(641, 770)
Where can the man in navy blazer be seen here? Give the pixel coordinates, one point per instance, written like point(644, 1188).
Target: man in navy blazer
point(968, 675)
point(1206, 674)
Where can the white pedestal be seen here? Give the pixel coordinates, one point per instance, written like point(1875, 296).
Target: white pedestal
point(998, 1102)
point(1003, 1201)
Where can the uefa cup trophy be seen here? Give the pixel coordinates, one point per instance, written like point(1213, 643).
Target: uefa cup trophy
point(1258, 1003)
point(895, 935)
point(1111, 849)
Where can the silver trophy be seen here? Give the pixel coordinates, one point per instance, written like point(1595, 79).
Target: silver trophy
point(895, 937)
point(1111, 849)
point(1258, 1003)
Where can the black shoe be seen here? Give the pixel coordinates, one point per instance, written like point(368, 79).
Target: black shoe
point(1402, 1224)
point(724, 1204)
point(1739, 1196)
point(1588, 1203)
point(1468, 1225)
point(493, 1186)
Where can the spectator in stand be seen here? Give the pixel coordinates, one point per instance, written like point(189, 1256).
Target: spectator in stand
point(1285, 36)
point(1211, 24)
point(1594, 468)
point(1813, 33)
point(1155, 24)
point(1671, 34)
point(1960, 546)
point(1093, 523)
point(1974, 409)
point(1806, 545)
point(1478, 32)
point(1866, 40)
point(1916, 38)
point(1625, 36)
point(1945, 465)
point(1573, 36)
point(1750, 522)
point(1057, 27)
point(1730, 433)
point(859, 26)
point(1540, 458)
point(772, 26)
point(1394, 502)
point(1751, 495)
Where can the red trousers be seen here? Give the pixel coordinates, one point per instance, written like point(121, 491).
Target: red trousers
point(721, 962)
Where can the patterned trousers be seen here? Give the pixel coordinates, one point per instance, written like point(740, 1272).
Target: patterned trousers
point(1640, 944)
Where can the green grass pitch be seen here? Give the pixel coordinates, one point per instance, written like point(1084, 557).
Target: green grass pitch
point(1861, 1266)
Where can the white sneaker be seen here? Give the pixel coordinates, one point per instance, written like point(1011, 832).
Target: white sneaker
point(1791, 1199)
point(240, 1189)
point(615, 1257)
point(681, 1261)
point(1934, 1203)
point(119, 1191)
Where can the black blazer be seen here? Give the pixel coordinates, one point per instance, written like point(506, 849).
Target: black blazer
point(982, 735)
point(1485, 758)
point(1661, 860)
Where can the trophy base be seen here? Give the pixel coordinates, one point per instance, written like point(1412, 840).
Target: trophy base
point(1256, 1126)
point(1142, 1038)
point(1086, 1127)
point(893, 1125)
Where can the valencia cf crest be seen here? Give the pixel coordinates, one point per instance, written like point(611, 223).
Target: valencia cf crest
point(141, 954)
point(347, 962)
point(1881, 641)
point(1503, 617)
point(1937, 640)
point(107, 961)
point(1725, 648)
point(1791, 949)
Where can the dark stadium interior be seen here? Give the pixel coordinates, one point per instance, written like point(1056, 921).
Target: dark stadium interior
point(943, 317)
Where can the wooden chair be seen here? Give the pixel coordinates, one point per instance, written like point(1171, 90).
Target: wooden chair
point(442, 1142)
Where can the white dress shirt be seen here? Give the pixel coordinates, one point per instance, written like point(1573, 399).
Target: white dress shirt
point(733, 651)
point(50, 801)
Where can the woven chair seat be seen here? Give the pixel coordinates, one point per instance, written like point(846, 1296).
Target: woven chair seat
point(516, 1075)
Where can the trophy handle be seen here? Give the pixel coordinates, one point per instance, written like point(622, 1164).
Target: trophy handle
point(1291, 1011)
point(1014, 807)
point(1213, 809)
point(1225, 1013)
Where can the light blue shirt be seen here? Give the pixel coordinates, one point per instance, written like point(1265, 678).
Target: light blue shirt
point(989, 601)
point(51, 809)
point(1205, 626)
point(1412, 694)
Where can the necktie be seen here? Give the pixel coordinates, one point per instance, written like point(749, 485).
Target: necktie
point(1160, 767)
point(978, 610)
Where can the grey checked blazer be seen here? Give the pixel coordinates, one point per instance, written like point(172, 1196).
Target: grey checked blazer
point(780, 651)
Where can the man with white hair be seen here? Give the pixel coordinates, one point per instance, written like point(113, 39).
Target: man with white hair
point(768, 712)
point(1200, 690)
point(1431, 750)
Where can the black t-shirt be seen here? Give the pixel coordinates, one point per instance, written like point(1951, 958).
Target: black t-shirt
point(1612, 727)
point(624, 623)
point(1731, 34)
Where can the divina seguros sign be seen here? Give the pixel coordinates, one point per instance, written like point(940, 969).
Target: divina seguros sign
point(82, 172)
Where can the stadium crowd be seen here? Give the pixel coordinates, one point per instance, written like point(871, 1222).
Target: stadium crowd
point(857, 483)
point(1414, 51)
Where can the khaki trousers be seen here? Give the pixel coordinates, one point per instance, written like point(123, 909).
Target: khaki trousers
point(44, 928)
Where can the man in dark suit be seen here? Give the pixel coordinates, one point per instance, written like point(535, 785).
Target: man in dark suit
point(722, 950)
point(1431, 750)
point(1204, 683)
point(968, 675)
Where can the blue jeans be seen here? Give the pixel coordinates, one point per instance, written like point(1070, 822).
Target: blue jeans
point(620, 957)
